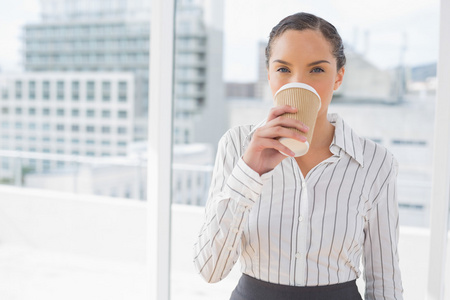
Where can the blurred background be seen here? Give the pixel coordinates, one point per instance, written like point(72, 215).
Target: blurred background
point(74, 86)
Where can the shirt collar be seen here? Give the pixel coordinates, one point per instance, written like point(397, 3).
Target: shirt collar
point(344, 138)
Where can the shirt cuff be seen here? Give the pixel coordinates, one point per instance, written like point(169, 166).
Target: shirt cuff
point(246, 184)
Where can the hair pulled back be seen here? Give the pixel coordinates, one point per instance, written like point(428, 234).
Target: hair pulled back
point(302, 21)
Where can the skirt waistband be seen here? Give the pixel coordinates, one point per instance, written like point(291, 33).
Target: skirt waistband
point(250, 288)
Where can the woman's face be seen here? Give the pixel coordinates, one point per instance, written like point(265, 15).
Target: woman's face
point(304, 56)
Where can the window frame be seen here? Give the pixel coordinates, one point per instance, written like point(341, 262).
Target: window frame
point(160, 139)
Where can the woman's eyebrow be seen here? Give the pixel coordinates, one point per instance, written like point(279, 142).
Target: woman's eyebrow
point(282, 62)
point(318, 62)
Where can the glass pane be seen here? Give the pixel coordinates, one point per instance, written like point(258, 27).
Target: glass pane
point(73, 150)
point(221, 82)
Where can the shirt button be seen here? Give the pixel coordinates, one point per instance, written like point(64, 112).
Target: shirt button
point(303, 184)
point(300, 218)
point(298, 255)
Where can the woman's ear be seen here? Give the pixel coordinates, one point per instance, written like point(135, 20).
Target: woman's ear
point(339, 78)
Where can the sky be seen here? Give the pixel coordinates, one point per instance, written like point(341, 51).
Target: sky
point(377, 29)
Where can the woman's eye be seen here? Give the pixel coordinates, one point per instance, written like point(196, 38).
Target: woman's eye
point(317, 70)
point(282, 70)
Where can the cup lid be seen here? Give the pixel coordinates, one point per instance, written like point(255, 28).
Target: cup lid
point(299, 85)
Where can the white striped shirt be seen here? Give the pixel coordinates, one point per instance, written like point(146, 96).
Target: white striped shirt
point(291, 230)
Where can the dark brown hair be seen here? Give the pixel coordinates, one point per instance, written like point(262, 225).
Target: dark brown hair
point(302, 21)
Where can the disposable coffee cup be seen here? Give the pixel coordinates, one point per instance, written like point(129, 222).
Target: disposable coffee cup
point(307, 101)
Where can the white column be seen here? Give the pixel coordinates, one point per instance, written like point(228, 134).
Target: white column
point(160, 147)
point(441, 165)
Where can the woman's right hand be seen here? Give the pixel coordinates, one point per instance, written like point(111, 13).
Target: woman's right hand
point(263, 153)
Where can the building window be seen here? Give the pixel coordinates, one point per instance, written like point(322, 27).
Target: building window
point(90, 91)
point(75, 152)
point(32, 126)
point(122, 91)
point(106, 113)
point(46, 126)
point(90, 142)
point(18, 125)
point(90, 113)
point(60, 140)
point(18, 90)
point(90, 128)
point(90, 153)
point(122, 144)
point(60, 112)
point(122, 114)
point(46, 111)
point(75, 112)
point(5, 93)
point(60, 90)
point(46, 139)
point(121, 130)
point(75, 90)
point(75, 141)
point(46, 90)
point(106, 91)
point(106, 143)
point(18, 111)
point(106, 129)
point(5, 125)
point(5, 110)
point(32, 111)
point(75, 128)
point(60, 127)
point(32, 90)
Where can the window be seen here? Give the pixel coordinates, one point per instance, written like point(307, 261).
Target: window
point(60, 127)
point(32, 126)
point(5, 93)
point(106, 113)
point(121, 130)
point(60, 140)
point(75, 90)
point(121, 144)
point(90, 142)
point(90, 113)
point(90, 128)
point(32, 111)
point(46, 126)
point(106, 129)
point(18, 125)
point(18, 90)
point(18, 111)
point(60, 90)
point(32, 90)
point(90, 91)
point(106, 91)
point(122, 114)
point(75, 112)
point(60, 112)
point(122, 91)
point(5, 110)
point(106, 143)
point(75, 128)
point(45, 90)
point(46, 111)
point(75, 141)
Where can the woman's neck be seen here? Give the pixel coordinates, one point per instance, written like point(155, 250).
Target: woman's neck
point(323, 133)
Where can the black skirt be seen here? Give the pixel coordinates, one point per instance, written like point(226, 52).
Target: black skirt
point(250, 288)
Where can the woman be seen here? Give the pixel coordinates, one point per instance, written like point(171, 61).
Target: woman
point(300, 225)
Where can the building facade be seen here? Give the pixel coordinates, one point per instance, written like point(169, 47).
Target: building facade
point(89, 114)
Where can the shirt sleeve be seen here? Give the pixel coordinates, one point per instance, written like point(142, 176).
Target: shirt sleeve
point(381, 261)
point(235, 188)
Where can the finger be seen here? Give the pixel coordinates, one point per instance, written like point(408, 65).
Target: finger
point(275, 144)
point(278, 132)
point(279, 110)
point(288, 123)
